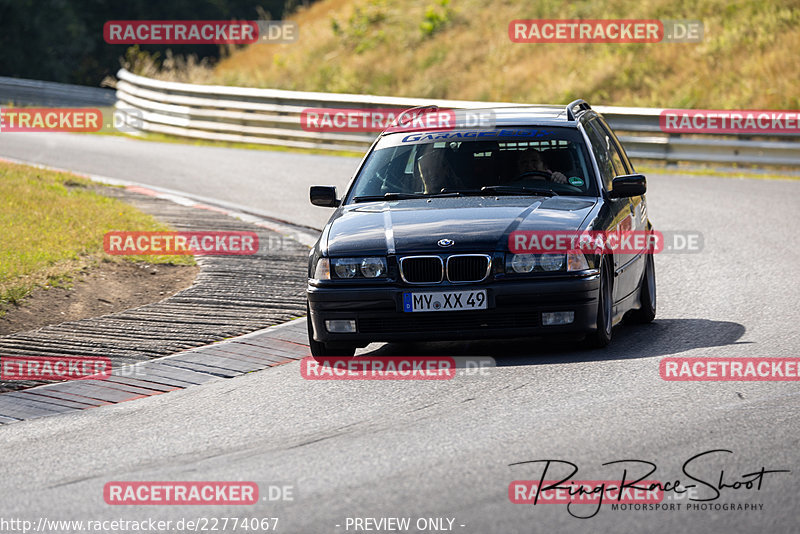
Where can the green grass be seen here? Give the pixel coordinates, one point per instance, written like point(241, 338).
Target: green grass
point(52, 226)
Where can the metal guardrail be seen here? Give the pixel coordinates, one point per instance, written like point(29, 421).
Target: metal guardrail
point(20, 92)
point(272, 117)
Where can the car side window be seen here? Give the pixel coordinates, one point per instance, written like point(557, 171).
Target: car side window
point(615, 142)
point(601, 144)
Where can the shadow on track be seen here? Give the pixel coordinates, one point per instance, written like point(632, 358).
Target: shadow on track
point(661, 338)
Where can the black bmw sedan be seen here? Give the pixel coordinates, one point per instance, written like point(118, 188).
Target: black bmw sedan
point(419, 247)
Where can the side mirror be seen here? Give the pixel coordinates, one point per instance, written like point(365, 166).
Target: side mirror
point(324, 195)
point(630, 185)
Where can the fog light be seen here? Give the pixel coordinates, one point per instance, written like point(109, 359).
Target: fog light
point(340, 326)
point(554, 318)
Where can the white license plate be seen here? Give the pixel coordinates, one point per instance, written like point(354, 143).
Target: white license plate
point(444, 301)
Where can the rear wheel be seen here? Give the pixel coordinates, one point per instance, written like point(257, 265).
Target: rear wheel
point(647, 295)
point(320, 349)
point(601, 337)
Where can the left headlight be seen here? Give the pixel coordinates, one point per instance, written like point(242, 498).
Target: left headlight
point(349, 268)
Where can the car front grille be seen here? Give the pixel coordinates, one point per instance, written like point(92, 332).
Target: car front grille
point(449, 321)
point(422, 269)
point(468, 267)
point(432, 269)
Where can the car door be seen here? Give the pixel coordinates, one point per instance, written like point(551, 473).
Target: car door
point(635, 262)
point(622, 209)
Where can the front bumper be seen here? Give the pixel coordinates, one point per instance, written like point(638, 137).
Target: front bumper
point(514, 310)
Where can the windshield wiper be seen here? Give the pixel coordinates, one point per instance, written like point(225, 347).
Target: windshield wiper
point(501, 190)
point(389, 196)
point(405, 196)
point(511, 190)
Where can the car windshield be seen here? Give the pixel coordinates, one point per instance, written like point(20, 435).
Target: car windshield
point(517, 161)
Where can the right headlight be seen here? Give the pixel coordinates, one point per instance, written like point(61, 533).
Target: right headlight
point(373, 267)
point(349, 268)
point(345, 267)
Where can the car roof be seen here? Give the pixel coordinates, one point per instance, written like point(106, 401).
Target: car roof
point(532, 115)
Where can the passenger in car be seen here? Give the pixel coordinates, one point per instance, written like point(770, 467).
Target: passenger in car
point(436, 172)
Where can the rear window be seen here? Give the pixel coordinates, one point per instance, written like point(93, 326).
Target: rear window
point(427, 162)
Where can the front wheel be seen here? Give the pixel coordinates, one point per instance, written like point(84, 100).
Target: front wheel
point(320, 349)
point(647, 295)
point(601, 337)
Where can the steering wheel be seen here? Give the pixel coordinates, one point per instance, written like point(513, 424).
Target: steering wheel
point(547, 175)
point(525, 174)
point(532, 173)
point(391, 184)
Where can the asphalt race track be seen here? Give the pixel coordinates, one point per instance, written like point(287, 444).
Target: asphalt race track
point(444, 449)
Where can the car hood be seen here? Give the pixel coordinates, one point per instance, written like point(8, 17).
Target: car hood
point(474, 224)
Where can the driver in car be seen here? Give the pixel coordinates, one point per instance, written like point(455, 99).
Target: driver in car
point(530, 161)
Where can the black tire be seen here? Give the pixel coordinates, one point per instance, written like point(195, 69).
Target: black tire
point(601, 337)
point(320, 349)
point(647, 295)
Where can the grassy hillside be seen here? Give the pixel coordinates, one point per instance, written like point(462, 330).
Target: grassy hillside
point(430, 48)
